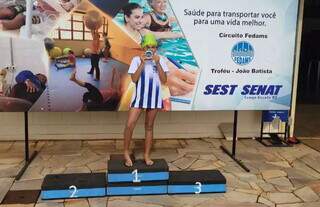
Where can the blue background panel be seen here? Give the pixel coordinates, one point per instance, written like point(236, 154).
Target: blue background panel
point(269, 116)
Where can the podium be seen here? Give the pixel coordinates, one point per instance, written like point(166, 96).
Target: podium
point(139, 172)
point(140, 179)
point(82, 185)
point(197, 182)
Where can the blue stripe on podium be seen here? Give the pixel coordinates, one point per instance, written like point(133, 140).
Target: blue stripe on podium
point(129, 177)
point(79, 193)
point(205, 188)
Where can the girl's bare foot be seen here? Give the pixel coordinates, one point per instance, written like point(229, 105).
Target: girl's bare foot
point(148, 160)
point(127, 160)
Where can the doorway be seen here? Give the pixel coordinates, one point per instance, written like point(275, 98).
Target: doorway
point(307, 126)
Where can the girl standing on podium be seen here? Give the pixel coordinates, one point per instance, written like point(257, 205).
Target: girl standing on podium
point(148, 71)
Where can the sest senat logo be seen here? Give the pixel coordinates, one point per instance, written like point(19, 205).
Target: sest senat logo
point(242, 53)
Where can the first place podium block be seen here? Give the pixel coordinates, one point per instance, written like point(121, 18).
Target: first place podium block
point(196, 182)
point(81, 185)
point(140, 179)
point(139, 172)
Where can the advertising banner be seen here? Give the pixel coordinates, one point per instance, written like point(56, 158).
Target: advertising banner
point(82, 55)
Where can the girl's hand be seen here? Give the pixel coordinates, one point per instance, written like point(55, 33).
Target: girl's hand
point(143, 58)
point(156, 58)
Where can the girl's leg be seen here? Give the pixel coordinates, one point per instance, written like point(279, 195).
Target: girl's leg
point(133, 116)
point(149, 122)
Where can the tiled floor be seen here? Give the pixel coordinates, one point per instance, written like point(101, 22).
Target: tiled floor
point(282, 177)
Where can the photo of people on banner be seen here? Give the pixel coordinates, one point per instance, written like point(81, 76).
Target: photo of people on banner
point(44, 15)
point(156, 17)
point(92, 48)
point(22, 79)
point(86, 52)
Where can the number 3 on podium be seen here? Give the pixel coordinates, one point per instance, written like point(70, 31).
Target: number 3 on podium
point(198, 188)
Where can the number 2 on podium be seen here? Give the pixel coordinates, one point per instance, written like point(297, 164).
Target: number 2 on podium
point(135, 176)
point(74, 188)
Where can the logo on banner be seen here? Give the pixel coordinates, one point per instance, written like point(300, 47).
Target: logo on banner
point(242, 53)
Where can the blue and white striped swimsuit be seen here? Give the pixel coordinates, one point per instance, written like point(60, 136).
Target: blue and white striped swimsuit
point(147, 94)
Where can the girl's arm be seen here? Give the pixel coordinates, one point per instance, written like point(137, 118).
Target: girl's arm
point(136, 75)
point(162, 74)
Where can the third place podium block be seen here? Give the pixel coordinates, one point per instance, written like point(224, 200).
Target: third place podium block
point(203, 181)
point(139, 179)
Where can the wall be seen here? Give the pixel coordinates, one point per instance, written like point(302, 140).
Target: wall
point(106, 125)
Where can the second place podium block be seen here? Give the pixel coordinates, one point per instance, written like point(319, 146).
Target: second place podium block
point(79, 185)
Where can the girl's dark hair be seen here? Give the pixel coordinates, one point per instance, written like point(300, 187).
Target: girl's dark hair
point(127, 9)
